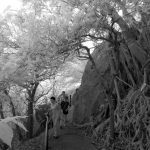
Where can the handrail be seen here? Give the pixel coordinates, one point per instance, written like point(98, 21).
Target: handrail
point(46, 135)
point(46, 132)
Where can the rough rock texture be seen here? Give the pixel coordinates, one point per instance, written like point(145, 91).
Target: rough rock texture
point(89, 95)
point(38, 117)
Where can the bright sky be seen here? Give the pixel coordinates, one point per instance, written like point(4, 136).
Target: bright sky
point(14, 4)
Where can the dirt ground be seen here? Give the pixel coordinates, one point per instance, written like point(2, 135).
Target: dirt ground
point(70, 138)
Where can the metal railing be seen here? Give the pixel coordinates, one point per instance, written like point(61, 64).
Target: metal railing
point(46, 147)
point(46, 134)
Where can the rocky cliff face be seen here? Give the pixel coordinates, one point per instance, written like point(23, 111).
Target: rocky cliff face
point(90, 95)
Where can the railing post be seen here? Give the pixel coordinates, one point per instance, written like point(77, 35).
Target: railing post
point(46, 134)
point(70, 101)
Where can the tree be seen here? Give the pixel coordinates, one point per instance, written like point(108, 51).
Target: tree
point(100, 21)
point(34, 57)
point(69, 75)
point(54, 30)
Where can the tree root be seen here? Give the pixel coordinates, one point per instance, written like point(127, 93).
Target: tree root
point(131, 125)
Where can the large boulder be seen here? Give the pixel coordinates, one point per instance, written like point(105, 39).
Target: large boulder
point(89, 95)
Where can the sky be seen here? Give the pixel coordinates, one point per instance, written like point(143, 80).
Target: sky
point(14, 4)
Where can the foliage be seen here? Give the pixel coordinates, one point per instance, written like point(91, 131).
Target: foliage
point(18, 95)
point(30, 54)
point(39, 38)
point(6, 132)
point(100, 20)
point(69, 76)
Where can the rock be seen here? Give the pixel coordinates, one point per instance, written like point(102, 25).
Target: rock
point(70, 114)
point(38, 117)
point(89, 94)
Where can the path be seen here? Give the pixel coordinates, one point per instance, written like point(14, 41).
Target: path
point(70, 138)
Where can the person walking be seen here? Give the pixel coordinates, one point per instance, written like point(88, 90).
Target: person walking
point(65, 107)
point(56, 110)
point(61, 97)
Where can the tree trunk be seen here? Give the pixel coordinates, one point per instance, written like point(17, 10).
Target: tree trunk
point(31, 93)
point(17, 127)
point(1, 111)
point(118, 94)
point(122, 5)
point(30, 119)
point(129, 37)
point(109, 98)
point(5, 146)
point(127, 71)
point(14, 114)
point(111, 114)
